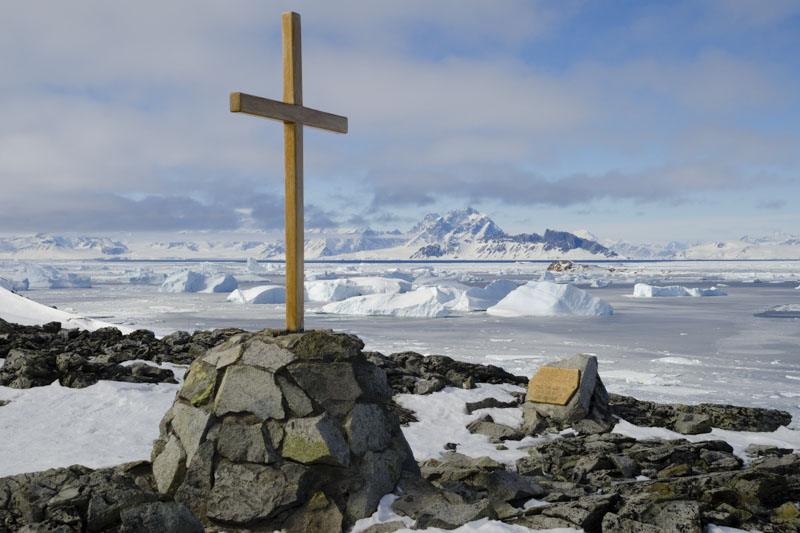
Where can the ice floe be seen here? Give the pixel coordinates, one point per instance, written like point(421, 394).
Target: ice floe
point(545, 298)
point(643, 290)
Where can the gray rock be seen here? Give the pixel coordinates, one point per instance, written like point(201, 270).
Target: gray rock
point(368, 429)
point(190, 424)
point(244, 493)
point(317, 515)
point(169, 467)
point(198, 387)
point(386, 527)
point(590, 401)
point(496, 432)
point(315, 440)
point(245, 443)
point(249, 390)
point(383, 472)
point(692, 424)
point(489, 403)
point(225, 354)
point(266, 355)
point(194, 490)
point(428, 386)
point(331, 385)
point(165, 517)
point(296, 399)
point(625, 465)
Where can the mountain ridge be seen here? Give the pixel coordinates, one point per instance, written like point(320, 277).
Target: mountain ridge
point(460, 234)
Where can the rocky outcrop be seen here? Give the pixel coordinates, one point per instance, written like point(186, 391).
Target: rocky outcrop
point(39, 355)
point(696, 419)
point(77, 498)
point(413, 373)
point(281, 431)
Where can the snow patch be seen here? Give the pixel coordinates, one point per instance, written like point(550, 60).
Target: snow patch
point(21, 310)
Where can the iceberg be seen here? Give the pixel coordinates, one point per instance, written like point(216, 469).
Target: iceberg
point(264, 294)
point(545, 298)
point(425, 302)
point(47, 277)
point(335, 290)
point(221, 283)
point(184, 281)
point(191, 281)
point(478, 299)
point(643, 290)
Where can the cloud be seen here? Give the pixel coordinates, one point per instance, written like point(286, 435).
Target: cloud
point(109, 110)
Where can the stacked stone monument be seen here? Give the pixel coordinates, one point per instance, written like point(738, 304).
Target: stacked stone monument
point(281, 432)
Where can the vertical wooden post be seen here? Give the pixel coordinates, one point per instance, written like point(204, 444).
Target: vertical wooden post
point(293, 142)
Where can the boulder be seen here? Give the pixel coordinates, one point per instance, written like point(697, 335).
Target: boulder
point(590, 401)
point(274, 431)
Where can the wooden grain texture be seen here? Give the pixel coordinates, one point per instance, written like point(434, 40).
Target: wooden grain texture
point(293, 146)
point(293, 143)
point(277, 110)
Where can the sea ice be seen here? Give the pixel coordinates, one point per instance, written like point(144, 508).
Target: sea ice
point(545, 298)
point(425, 302)
point(264, 294)
point(643, 290)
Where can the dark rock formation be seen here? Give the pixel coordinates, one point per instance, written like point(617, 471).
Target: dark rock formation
point(695, 419)
point(282, 431)
point(39, 355)
point(77, 498)
point(406, 370)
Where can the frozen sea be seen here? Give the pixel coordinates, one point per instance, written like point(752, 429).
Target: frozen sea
point(667, 349)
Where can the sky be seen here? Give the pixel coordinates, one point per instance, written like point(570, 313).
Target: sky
point(638, 121)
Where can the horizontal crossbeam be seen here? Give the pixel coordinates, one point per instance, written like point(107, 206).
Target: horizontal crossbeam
point(276, 110)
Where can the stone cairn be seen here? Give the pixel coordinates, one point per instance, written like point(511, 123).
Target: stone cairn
point(287, 432)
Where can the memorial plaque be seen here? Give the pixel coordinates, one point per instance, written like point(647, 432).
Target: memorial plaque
point(553, 385)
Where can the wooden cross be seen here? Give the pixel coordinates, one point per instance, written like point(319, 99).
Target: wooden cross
point(293, 115)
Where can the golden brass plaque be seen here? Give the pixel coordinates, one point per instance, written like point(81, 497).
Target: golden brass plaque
point(553, 385)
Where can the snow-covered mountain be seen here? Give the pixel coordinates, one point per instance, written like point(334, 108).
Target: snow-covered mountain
point(44, 246)
point(464, 234)
point(468, 234)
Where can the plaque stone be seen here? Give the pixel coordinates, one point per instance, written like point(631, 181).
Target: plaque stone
point(553, 385)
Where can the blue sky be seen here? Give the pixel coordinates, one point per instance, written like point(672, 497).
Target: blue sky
point(639, 121)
